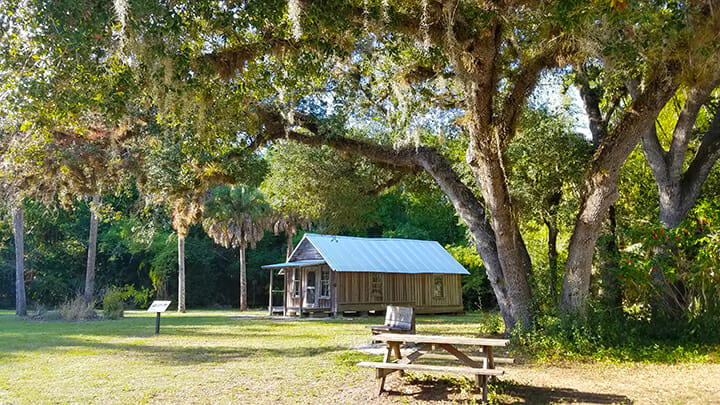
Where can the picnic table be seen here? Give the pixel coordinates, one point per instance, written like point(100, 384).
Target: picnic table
point(481, 367)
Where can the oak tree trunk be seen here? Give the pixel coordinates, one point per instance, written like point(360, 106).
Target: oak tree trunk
point(511, 250)
point(678, 189)
point(600, 188)
point(487, 165)
point(20, 301)
point(181, 273)
point(551, 223)
point(472, 213)
point(92, 252)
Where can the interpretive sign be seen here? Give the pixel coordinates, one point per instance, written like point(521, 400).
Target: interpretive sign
point(158, 307)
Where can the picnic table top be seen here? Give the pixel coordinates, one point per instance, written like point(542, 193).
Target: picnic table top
point(452, 340)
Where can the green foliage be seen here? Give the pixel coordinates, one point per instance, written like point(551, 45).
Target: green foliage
point(113, 307)
point(7, 267)
point(537, 245)
point(477, 292)
point(117, 299)
point(684, 261)
point(129, 247)
point(333, 189)
point(604, 336)
point(548, 161)
point(419, 211)
point(162, 267)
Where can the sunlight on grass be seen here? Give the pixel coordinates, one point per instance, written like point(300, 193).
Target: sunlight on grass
point(218, 357)
point(198, 357)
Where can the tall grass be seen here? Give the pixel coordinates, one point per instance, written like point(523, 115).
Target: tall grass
point(77, 310)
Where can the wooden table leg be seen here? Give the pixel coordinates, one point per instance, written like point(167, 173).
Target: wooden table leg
point(489, 364)
point(380, 374)
point(398, 355)
point(484, 388)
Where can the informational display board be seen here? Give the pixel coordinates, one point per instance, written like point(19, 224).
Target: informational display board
point(159, 306)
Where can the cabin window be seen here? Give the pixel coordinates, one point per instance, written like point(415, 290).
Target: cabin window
point(438, 287)
point(325, 282)
point(296, 282)
point(376, 286)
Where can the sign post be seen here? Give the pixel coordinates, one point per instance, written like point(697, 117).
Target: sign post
point(158, 307)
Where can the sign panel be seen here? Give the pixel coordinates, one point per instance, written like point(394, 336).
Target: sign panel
point(159, 306)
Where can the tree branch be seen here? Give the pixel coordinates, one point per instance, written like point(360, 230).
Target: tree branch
point(397, 177)
point(591, 103)
point(707, 155)
point(655, 155)
point(697, 96)
point(466, 203)
point(523, 85)
point(617, 145)
point(228, 62)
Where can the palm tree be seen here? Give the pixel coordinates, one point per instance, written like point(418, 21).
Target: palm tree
point(187, 211)
point(92, 251)
point(289, 223)
point(235, 217)
point(20, 302)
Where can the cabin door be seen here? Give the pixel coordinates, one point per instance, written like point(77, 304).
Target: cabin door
point(311, 281)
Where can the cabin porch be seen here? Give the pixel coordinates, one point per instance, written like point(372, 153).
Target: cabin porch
point(306, 288)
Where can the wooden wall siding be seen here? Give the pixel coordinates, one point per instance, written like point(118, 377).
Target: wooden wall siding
point(451, 287)
point(351, 291)
point(306, 251)
point(354, 290)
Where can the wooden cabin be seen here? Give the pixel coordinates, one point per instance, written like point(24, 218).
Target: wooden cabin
point(341, 274)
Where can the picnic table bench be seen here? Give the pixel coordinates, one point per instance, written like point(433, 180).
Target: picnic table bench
point(481, 367)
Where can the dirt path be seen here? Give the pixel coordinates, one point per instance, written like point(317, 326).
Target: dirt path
point(629, 383)
point(610, 383)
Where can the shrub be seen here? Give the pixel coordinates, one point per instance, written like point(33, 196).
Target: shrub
point(136, 298)
point(113, 307)
point(673, 273)
point(476, 290)
point(77, 310)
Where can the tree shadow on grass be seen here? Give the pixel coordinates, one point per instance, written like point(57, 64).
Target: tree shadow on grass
point(184, 339)
point(436, 389)
point(180, 342)
point(169, 354)
point(512, 393)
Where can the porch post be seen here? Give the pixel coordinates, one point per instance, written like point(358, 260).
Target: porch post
point(270, 292)
point(333, 292)
point(285, 292)
point(300, 274)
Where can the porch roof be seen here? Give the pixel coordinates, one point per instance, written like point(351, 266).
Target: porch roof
point(299, 263)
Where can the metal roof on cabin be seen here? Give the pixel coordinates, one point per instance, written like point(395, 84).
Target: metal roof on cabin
point(386, 255)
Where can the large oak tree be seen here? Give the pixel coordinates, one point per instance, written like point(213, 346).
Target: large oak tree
point(315, 71)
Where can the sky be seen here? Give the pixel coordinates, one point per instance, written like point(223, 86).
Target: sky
point(550, 93)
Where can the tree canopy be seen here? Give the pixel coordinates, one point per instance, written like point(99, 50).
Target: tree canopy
point(434, 89)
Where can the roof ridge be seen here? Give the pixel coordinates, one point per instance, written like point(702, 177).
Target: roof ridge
point(370, 238)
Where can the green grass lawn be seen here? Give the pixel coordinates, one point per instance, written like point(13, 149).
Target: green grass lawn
point(199, 357)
